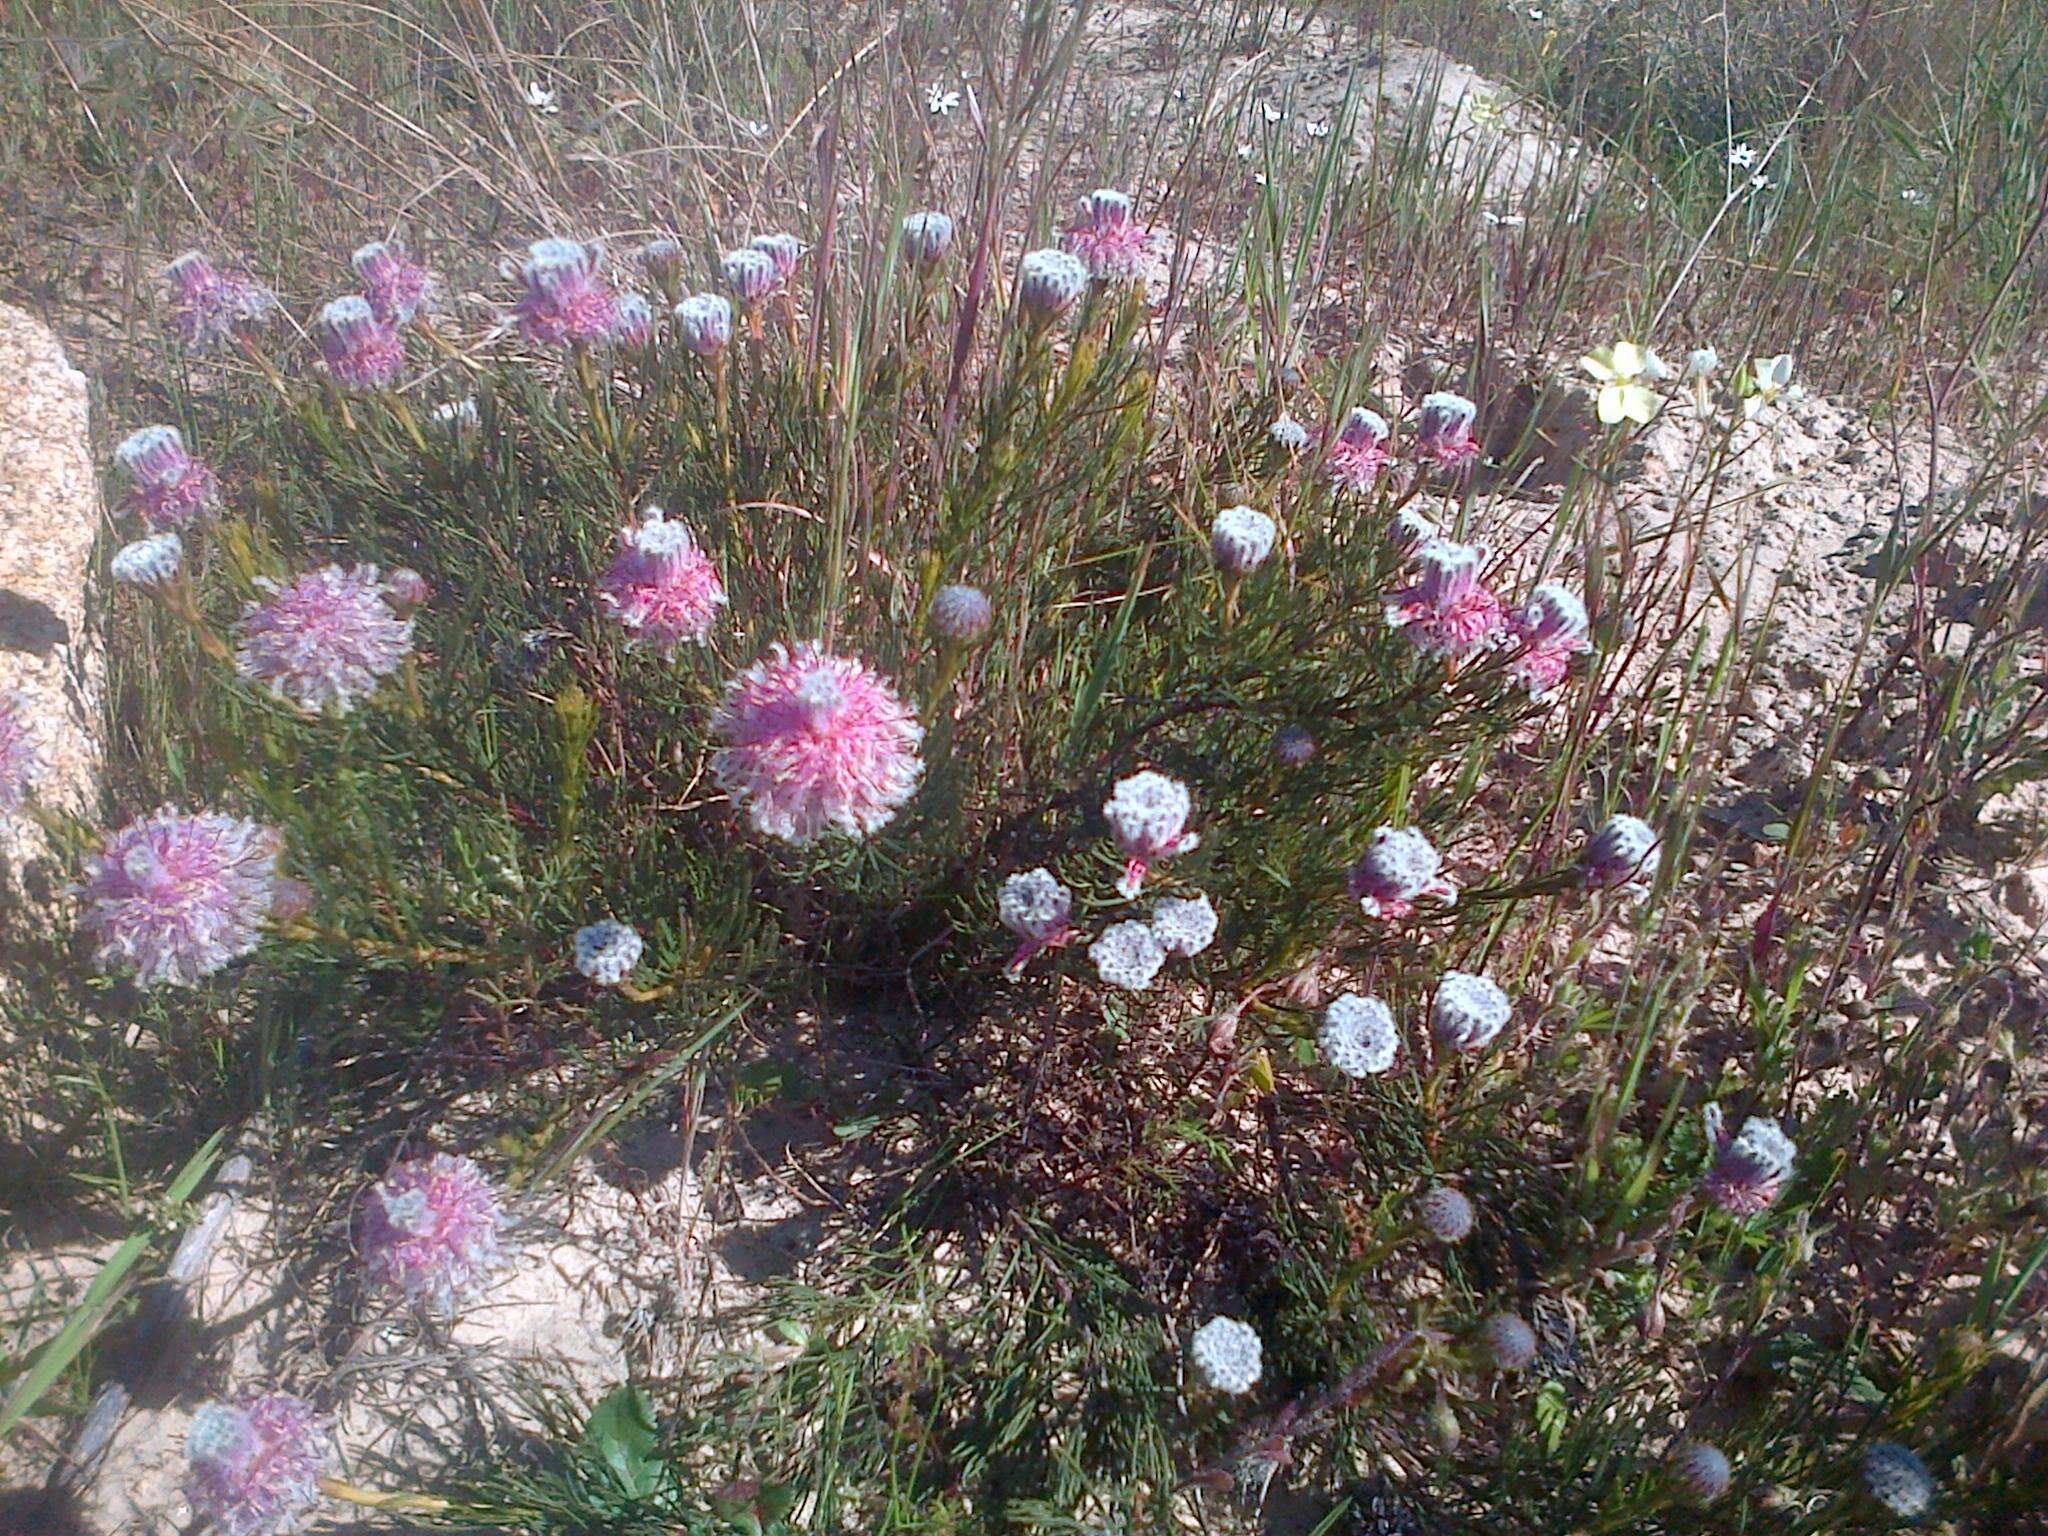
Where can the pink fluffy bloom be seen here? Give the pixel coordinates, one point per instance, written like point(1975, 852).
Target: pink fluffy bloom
point(323, 642)
point(1148, 815)
point(567, 301)
point(1357, 455)
point(1449, 612)
point(661, 586)
point(167, 485)
point(1750, 1168)
point(429, 1231)
point(255, 1468)
point(815, 743)
point(1443, 431)
point(208, 303)
point(1552, 628)
point(1400, 868)
point(174, 897)
point(399, 289)
point(21, 756)
point(1111, 243)
point(360, 350)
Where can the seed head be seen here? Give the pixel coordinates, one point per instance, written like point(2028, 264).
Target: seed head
point(607, 951)
point(1701, 1472)
point(1510, 1342)
point(927, 237)
point(1227, 1355)
point(1469, 1012)
point(1358, 1036)
point(1445, 1214)
point(1288, 433)
point(429, 1231)
point(1034, 905)
point(324, 642)
point(1241, 539)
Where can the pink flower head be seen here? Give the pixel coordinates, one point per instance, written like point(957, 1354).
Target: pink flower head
point(1111, 243)
point(632, 321)
point(815, 743)
point(360, 350)
point(1449, 612)
point(323, 642)
point(254, 1470)
point(661, 586)
point(21, 756)
point(751, 275)
point(1443, 430)
point(429, 1231)
point(174, 898)
point(567, 301)
point(1039, 910)
point(1750, 1168)
point(1400, 868)
point(399, 289)
point(1552, 628)
point(1357, 455)
point(784, 250)
point(1148, 815)
point(168, 486)
point(1049, 283)
point(207, 303)
point(705, 323)
point(407, 591)
point(927, 237)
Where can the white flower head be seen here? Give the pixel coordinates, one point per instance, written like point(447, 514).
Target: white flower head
point(1034, 905)
point(150, 562)
point(941, 102)
point(541, 99)
point(607, 951)
point(1241, 539)
point(1741, 156)
point(1358, 1036)
point(1469, 1012)
point(1184, 925)
point(1148, 814)
point(1288, 433)
point(1127, 956)
point(1227, 1355)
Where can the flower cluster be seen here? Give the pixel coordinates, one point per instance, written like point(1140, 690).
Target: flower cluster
point(173, 898)
point(1108, 239)
point(324, 642)
point(254, 1468)
point(361, 348)
point(208, 304)
point(1227, 1355)
point(661, 586)
point(167, 485)
point(567, 301)
point(429, 1231)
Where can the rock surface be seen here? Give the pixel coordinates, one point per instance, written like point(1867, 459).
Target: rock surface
point(49, 516)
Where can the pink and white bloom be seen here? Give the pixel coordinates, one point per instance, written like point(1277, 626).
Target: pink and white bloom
point(21, 753)
point(1148, 815)
point(1469, 1012)
point(429, 1231)
point(399, 289)
point(1357, 455)
point(1443, 430)
point(208, 303)
point(1127, 956)
point(175, 898)
point(567, 300)
point(704, 321)
point(1751, 1167)
point(360, 350)
point(1623, 852)
point(661, 586)
point(752, 276)
point(1049, 283)
point(167, 485)
point(1039, 910)
point(1449, 612)
point(254, 1468)
point(1110, 242)
point(1184, 926)
point(1400, 868)
point(816, 743)
point(784, 250)
point(325, 641)
point(1552, 628)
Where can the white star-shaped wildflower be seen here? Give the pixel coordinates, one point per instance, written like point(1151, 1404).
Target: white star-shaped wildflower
point(940, 102)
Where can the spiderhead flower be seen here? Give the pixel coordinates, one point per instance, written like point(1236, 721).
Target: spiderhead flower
point(1039, 910)
point(1620, 370)
point(1409, 531)
point(661, 586)
point(784, 250)
point(254, 1469)
point(1469, 1012)
point(429, 1231)
point(632, 321)
point(567, 301)
point(1288, 433)
point(360, 350)
point(1148, 815)
point(1443, 430)
point(1127, 955)
point(21, 753)
point(399, 289)
point(1241, 539)
point(1358, 455)
point(1449, 612)
point(1510, 1342)
point(1750, 1168)
point(1184, 926)
point(1227, 1355)
point(705, 322)
point(167, 485)
point(1049, 283)
point(1552, 628)
point(607, 951)
point(815, 743)
point(208, 303)
point(960, 615)
point(927, 237)
point(1110, 242)
point(1898, 1479)
point(407, 591)
point(751, 275)
point(174, 898)
point(661, 258)
point(148, 562)
point(1400, 868)
point(1762, 381)
point(1293, 745)
point(1358, 1036)
point(1445, 1214)
point(1623, 852)
point(1701, 1472)
point(325, 641)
